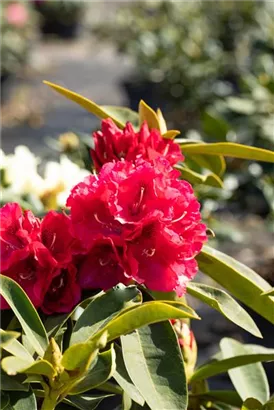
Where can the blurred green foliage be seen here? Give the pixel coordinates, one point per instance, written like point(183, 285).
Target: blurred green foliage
point(18, 24)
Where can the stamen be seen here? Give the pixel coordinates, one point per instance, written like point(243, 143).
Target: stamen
point(180, 218)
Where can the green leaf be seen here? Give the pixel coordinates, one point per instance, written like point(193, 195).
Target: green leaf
point(7, 337)
point(238, 279)
point(269, 405)
point(22, 401)
point(224, 396)
point(13, 365)
point(86, 402)
point(251, 404)
point(25, 313)
point(100, 371)
point(268, 293)
point(221, 365)
point(123, 379)
point(102, 309)
point(154, 362)
point(171, 134)
point(4, 401)
point(241, 105)
point(18, 350)
point(214, 163)
point(12, 383)
point(249, 381)
point(215, 127)
point(225, 304)
point(87, 104)
point(196, 178)
point(146, 113)
point(122, 114)
point(230, 149)
point(130, 319)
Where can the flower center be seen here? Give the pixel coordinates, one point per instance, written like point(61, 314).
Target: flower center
point(149, 252)
point(136, 206)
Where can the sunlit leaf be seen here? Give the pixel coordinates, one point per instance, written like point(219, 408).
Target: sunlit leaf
point(7, 337)
point(230, 149)
point(238, 279)
point(102, 309)
point(87, 104)
point(196, 178)
point(13, 365)
point(25, 313)
point(154, 362)
point(225, 304)
point(123, 379)
point(147, 114)
point(249, 381)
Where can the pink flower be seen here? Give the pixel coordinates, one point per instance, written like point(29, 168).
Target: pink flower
point(150, 220)
point(16, 14)
point(113, 144)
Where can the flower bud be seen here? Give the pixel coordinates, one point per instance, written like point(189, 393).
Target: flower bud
point(188, 345)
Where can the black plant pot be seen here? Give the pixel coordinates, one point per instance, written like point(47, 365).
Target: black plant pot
point(148, 91)
point(59, 29)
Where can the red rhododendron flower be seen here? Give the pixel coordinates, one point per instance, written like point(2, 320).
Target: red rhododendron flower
point(102, 267)
point(56, 236)
point(17, 231)
point(151, 219)
point(113, 144)
point(33, 273)
point(63, 293)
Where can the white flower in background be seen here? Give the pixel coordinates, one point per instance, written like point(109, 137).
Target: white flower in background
point(60, 178)
point(21, 177)
point(21, 172)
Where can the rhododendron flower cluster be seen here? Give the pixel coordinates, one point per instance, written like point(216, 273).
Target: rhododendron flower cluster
point(134, 222)
point(112, 144)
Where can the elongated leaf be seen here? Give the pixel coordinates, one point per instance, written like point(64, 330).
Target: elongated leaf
point(147, 114)
point(214, 163)
point(13, 365)
point(154, 362)
point(249, 381)
point(171, 134)
point(89, 105)
point(7, 337)
point(86, 401)
point(224, 396)
point(196, 178)
point(162, 122)
point(225, 304)
point(230, 149)
point(251, 404)
point(18, 350)
point(223, 365)
point(102, 309)
point(269, 293)
point(123, 379)
point(238, 279)
point(101, 370)
point(215, 127)
point(130, 319)
point(25, 313)
point(20, 400)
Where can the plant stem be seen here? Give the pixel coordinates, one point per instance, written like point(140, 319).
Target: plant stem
point(50, 401)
